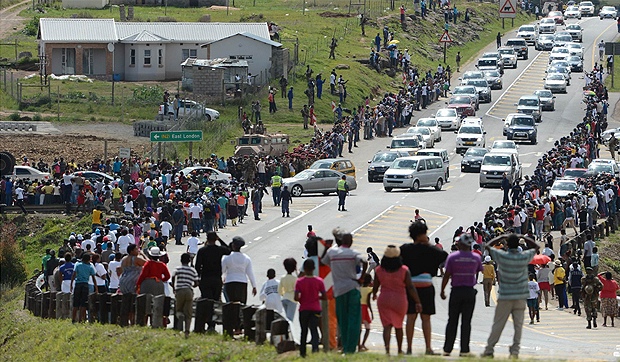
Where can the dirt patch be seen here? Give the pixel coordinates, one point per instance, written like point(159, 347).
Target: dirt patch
point(215, 7)
point(331, 14)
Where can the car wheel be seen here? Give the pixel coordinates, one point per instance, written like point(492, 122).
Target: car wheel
point(534, 141)
point(482, 185)
point(388, 189)
point(370, 178)
point(297, 190)
point(416, 186)
point(325, 193)
point(208, 117)
point(439, 140)
point(439, 185)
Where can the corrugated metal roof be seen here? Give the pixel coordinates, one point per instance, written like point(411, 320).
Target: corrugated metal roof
point(251, 36)
point(193, 32)
point(214, 63)
point(77, 30)
point(145, 37)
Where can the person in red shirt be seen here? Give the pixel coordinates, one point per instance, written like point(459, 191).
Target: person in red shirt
point(308, 291)
point(310, 232)
point(540, 216)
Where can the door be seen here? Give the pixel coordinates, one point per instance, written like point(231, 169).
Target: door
point(331, 181)
point(422, 174)
point(88, 61)
point(317, 183)
point(67, 60)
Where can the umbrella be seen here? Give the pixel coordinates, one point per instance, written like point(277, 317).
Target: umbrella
point(589, 93)
point(540, 259)
point(391, 46)
point(393, 42)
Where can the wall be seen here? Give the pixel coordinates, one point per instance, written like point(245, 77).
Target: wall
point(53, 55)
point(280, 62)
point(241, 45)
point(174, 58)
point(119, 60)
point(208, 81)
point(84, 4)
point(141, 71)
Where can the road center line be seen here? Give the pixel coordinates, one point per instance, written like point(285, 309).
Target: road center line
point(298, 217)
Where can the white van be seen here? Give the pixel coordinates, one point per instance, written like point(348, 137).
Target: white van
point(496, 164)
point(439, 152)
point(415, 172)
point(407, 142)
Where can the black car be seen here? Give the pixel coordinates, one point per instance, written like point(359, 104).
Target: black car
point(472, 159)
point(520, 47)
point(522, 128)
point(380, 162)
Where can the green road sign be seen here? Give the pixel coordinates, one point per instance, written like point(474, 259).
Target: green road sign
point(176, 136)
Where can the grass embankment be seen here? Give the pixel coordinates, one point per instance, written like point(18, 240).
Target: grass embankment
point(314, 31)
point(609, 253)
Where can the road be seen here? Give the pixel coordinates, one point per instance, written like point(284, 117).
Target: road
point(378, 218)
point(10, 21)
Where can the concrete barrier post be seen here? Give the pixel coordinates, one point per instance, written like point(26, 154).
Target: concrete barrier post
point(115, 308)
point(157, 319)
point(230, 318)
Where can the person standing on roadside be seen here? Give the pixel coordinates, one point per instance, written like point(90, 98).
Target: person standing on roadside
point(237, 268)
point(498, 39)
point(458, 61)
point(488, 279)
point(209, 268)
point(513, 288)
point(423, 260)
point(462, 267)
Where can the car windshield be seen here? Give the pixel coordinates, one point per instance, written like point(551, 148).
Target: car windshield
point(555, 76)
point(303, 174)
point(573, 46)
point(528, 102)
point(574, 58)
point(547, 21)
point(460, 100)
point(471, 75)
point(464, 90)
point(492, 73)
point(522, 121)
point(560, 50)
point(419, 130)
point(573, 27)
point(470, 130)
point(504, 145)
point(572, 8)
point(487, 62)
point(585, 3)
point(558, 70)
point(544, 93)
point(320, 164)
point(496, 160)
point(563, 38)
point(427, 122)
point(609, 8)
point(546, 37)
point(527, 28)
point(600, 167)
point(478, 83)
point(404, 164)
point(564, 186)
point(405, 143)
point(384, 157)
point(574, 173)
point(555, 13)
point(506, 51)
point(446, 113)
point(476, 152)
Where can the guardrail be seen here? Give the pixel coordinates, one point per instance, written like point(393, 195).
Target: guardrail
point(107, 308)
point(45, 209)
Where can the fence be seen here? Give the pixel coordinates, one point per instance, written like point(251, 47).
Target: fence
point(256, 323)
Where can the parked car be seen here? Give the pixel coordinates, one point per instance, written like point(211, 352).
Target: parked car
point(586, 8)
point(575, 31)
point(187, 107)
point(557, 16)
point(522, 129)
point(555, 82)
point(494, 78)
point(563, 188)
point(509, 56)
point(381, 161)
point(448, 118)
point(472, 159)
point(546, 25)
point(608, 12)
point(216, 176)
point(464, 105)
point(530, 105)
point(547, 99)
point(528, 32)
point(433, 125)
point(29, 173)
point(544, 42)
point(323, 181)
point(415, 172)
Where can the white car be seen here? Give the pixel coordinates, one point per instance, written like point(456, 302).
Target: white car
point(575, 31)
point(575, 49)
point(572, 12)
point(433, 125)
point(189, 108)
point(606, 136)
point(556, 82)
point(214, 175)
point(509, 56)
point(586, 8)
point(426, 133)
point(563, 187)
point(546, 25)
point(474, 74)
point(470, 135)
point(527, 32)
point(505, 146)
point(559, 53)
point(29, 173)
point(93, 176)
point(605, 165)
point(448, 118)
point(608, 12)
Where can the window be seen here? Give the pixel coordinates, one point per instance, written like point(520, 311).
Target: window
point(132, 57)
point(160, 57)
point(189, 53)
point(22, 171)
point(422, 166)
point(147, 57)
point(88, 61)
point(68, 60)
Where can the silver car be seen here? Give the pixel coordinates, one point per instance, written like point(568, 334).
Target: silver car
point(483, 89)
point(547, 99)
point(426, 133)
point(509, 56)
point(527, 32)
point(448, 118)
point(575, 31)
point(320, 180)
point(494, 78)
point(555, 82)
point(546, 25)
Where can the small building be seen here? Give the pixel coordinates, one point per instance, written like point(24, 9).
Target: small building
point(84, 4)
point(148, 51)
point(207, 77)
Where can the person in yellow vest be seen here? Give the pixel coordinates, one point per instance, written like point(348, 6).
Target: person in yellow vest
point(343, 189)
point(276, 186)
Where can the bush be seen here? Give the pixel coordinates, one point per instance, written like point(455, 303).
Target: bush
point(83, 15)
point(11, 258)
point(148, 94)
point(14, 116)
point(37, 117)
point(32, 27)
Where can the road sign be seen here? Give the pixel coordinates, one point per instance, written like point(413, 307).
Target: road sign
point(612, 48)
point(176, 136)
point(124, 152)
point(507, 9)
point(445, 38)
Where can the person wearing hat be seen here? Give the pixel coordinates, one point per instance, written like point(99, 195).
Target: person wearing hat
point(154, 274)
point(237, 269)
point(590, 288)
point(488, 279)
point(462, 267)
point(559, 283)
point(395, 281)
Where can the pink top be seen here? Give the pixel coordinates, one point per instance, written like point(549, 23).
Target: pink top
point(609, 287)
point(309, 289)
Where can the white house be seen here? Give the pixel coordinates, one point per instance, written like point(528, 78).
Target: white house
point(142, 51)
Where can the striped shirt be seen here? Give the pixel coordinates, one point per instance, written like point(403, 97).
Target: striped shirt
point(513, 272)
point(185, 276)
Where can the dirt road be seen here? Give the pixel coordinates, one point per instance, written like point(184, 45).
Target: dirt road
point(10, 21)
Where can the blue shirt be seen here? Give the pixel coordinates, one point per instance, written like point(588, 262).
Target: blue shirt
point(116, 167)
point(67, 270)
point(83, 272)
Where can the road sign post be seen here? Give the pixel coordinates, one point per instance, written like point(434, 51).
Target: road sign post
point(124, 153)
point(507, 9)
point(176, 136)
point(445, 39)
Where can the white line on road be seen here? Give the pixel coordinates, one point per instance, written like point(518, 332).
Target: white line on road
point(298, 217)
point(440, 226)
point(513, 83)
point(550, 139)
point(373, 219)
point(258, 238)
point(480, 189)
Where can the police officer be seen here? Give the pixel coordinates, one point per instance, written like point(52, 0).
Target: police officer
point(343, 189)
point(590, 288)
point(276, 184)
point(286, 200)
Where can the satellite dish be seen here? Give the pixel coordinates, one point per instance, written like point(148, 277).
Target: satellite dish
point(110, 47)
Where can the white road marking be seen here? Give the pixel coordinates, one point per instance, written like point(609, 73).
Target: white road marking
point(480, 189)
point(440, 226)
point(298, 217)
point(373, 219)
point(550, 139)
point(274, 257)
point(258, 238)
point(463, 175)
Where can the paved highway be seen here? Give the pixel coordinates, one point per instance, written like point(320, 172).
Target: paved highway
point(378, 218)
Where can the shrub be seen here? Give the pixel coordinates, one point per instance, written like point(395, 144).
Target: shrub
point(37, 117)
point(14, 116)
point(11, 257)
point(32, 27)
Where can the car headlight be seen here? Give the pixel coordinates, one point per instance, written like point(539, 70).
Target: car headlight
point(371, 168)
point(510, 130)
point(535, 112)
point(485, 172)
point(530, 131)
point(409, 176)
point(479, 139)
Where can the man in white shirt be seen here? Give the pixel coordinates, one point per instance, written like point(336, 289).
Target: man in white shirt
point(262, 175)
point(237, 269)
point(90, 242)
point(195, 214)
point(148, 190)
point(192, 246)
point(609, 196)
point(588, 246)
point(547, 251)
point(166, 227)
point(592, 205)
point(113, 271)
point(123, 241)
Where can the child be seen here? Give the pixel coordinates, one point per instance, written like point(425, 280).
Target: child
point(269, 292)
point(366, 308)
point(184, 280)
point(192, 246)
point(81, 272)
point(287, 288)
point(532, 301)
point(594, 260)
point(308, 290)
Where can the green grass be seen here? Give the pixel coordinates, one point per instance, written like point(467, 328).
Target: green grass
point(616, 87)
point(7, 3)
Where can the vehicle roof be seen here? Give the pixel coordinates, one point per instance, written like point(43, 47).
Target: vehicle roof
point(424, 157)
point(331, 160)
point(603, 160)
point(499, 152)
point(530, 96)
point(576, 168)
point(516, 39)
point(433, 150)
